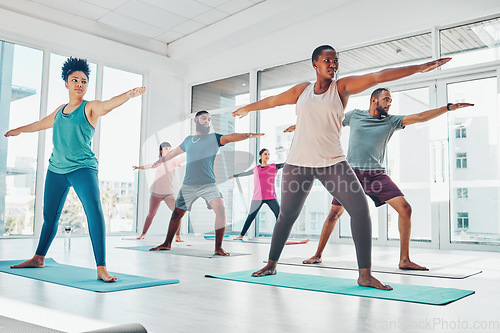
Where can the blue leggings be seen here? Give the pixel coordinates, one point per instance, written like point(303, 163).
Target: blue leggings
point(86, 186)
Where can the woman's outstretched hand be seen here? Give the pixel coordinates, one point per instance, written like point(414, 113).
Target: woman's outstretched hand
point(13, 132)
point(432, 65)
point(455, 106)
point(136, 92)
point(240, 113)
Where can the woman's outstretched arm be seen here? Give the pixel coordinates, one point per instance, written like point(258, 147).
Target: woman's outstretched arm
point(40, 125)
point(287, 97)
point(101, 108)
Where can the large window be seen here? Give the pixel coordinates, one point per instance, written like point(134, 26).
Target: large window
point(20, 83)
point(475, 176)
point(232, 158)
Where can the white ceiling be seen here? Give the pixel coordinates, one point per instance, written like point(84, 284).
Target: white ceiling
point(161, 20)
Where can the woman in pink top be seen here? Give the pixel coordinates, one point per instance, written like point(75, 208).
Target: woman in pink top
point(263, 191)
point(162, 188)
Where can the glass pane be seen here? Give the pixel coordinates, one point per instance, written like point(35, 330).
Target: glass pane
point(473, 43)
point(119, 150)
point(221, 93)
point(72, 214)
point(409, 163)
point(479, 171)
point(20, 83)
point(414, 49)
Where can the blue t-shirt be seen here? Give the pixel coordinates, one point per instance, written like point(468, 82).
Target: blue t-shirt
point(368, 138)
point(200, 156)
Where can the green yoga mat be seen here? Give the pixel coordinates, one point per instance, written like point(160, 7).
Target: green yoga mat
point(80, 277)
point(183, 251)
point(401, 292)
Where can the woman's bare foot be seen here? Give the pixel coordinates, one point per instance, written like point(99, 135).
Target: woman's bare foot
point(178, 239)
point(161, 247)
point(366, 279)
point(141, 236)
point(102, 274)
point(407, 264)
point(221, 252)
point(238, 238)
point(35, 262)
point(315, 259)
point(269, 269)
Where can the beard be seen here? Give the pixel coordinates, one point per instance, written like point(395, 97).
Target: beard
point(381, 111)
point(202, 128)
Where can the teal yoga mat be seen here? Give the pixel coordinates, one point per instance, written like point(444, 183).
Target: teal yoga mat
point(401, 292)
point(213, 236)
point(80, 277)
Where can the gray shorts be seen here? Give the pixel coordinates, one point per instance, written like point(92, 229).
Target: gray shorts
point(188, 194)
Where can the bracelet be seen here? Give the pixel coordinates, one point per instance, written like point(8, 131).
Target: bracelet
point(448, 106)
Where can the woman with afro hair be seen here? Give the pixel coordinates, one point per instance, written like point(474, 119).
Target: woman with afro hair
point(72, 163)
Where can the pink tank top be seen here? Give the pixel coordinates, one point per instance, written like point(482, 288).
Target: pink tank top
point(316, 141)
point(264, 178)
point(164, 178)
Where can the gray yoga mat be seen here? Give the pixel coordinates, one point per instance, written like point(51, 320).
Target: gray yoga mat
point(440, 272)
point(183, 251)
point(17, 326)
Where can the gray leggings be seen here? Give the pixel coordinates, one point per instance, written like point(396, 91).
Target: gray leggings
point(341, 182)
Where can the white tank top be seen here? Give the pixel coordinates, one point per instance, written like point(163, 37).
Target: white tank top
point(316, 142)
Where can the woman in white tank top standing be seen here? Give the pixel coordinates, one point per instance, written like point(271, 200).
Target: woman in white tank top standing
point(316, 152)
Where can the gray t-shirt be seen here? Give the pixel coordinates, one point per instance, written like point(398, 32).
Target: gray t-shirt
point(368, 138)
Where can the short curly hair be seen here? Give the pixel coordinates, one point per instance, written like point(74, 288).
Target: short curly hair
point(75, 65)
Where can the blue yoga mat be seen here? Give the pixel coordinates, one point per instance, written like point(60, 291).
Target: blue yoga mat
point(213, 236)
point(80, 277)
point(401, 292)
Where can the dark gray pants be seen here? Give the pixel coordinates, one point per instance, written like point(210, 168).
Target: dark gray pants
point(341, 182)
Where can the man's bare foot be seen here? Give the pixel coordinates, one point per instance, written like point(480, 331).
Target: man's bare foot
point(141, 236)
point(407, 264)
point(315, 259)
point(178, 239)
point(238, 238)
point(269, 269)
point(161, 247)
point(221, 252)
point(366, 279)
point(35, 262)
point(102, 274)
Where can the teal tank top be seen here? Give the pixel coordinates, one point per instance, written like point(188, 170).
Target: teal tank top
point(72, 136)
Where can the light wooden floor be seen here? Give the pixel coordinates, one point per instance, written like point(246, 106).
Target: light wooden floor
point(199, 304)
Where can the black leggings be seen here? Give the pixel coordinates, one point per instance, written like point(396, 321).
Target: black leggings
point(341, 182)
point(254, 209)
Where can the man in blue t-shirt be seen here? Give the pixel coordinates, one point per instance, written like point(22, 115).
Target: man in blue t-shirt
point(199, 180)
point(370, 132)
